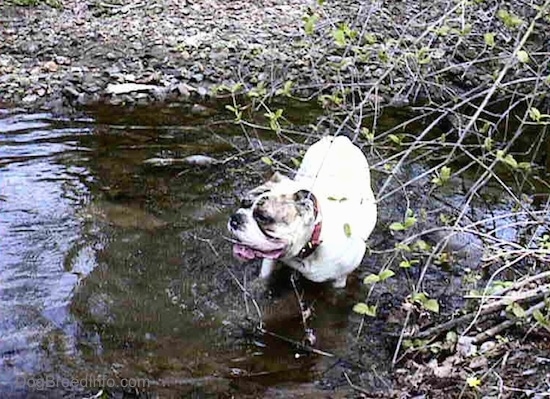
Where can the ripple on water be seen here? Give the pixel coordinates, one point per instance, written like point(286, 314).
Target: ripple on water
point(38, 228)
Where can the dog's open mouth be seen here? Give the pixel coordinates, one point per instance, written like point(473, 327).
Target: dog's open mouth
point(245, 252)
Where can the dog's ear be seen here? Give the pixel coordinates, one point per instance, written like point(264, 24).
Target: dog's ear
point(304, 201)
point(302, 196)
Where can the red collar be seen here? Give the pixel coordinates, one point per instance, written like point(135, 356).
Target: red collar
point(315, 239)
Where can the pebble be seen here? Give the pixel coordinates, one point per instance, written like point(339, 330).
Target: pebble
point(198, 109)
point(51, 66)
point(61, 60)
point(29, 99)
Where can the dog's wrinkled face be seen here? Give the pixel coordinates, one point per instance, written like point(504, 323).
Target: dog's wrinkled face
point(274, 220)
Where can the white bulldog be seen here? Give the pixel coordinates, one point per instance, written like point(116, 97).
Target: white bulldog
point(316, 223)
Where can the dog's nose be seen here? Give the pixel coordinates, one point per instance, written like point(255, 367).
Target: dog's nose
point(236, 220)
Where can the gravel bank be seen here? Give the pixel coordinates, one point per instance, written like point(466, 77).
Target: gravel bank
point(169, 49)
point(140, 51)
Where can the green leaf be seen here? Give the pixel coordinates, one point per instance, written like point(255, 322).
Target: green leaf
point(488, 143)
point(432, 305)
point(397, 226)
point(535, 114)
point(467, 30)
point(341, 199)
point(443, 30)
point(509, 160)
point(406, 264)
point(522, 56)
point(371, 311)
point(371, 279)
point(473, 382)
point(485, 128)
point(509, 19)
point(451, 337)
point(370, 38)
point(445, 173)
point(422, 245)
point(489, 38)
point(386, 274)
point(442, 177)
point(396, 139)
point(517, 310)
point(267, 160)
point(295, 162)
point(364, 309)
point(347, 229)
point(409, 222)
point(539, 317)
point(403, 247)
point(420, 297)
point(236, 87)
point(360, 308)
point(367, 134)
point(339, 37)
point(423, 56)
point(310, 22)
point(286, 90)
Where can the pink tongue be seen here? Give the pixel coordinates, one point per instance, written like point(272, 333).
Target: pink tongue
point(246, 253)
point(242, 252)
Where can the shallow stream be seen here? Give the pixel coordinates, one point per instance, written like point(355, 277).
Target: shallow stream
point(113, 268)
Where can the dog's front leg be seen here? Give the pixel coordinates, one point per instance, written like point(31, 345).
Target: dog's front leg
point(340, 282)
point(268, 265)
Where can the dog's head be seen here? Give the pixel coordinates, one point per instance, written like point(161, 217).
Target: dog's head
point(275, 220)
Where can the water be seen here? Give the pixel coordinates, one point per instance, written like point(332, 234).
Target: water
point(42, 187)
point(113, 268)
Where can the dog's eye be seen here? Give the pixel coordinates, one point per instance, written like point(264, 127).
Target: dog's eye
point(246, 203)
point(263, 219)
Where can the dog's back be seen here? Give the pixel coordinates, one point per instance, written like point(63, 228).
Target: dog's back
point(338, 161)
point(337, 172)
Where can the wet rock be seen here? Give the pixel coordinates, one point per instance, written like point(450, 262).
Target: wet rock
point(125, 88)
point(198, 109)
point(200, 160)
point(195, 160)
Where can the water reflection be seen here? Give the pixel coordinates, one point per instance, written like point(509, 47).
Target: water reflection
point(112, 267)
point(41, 192)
